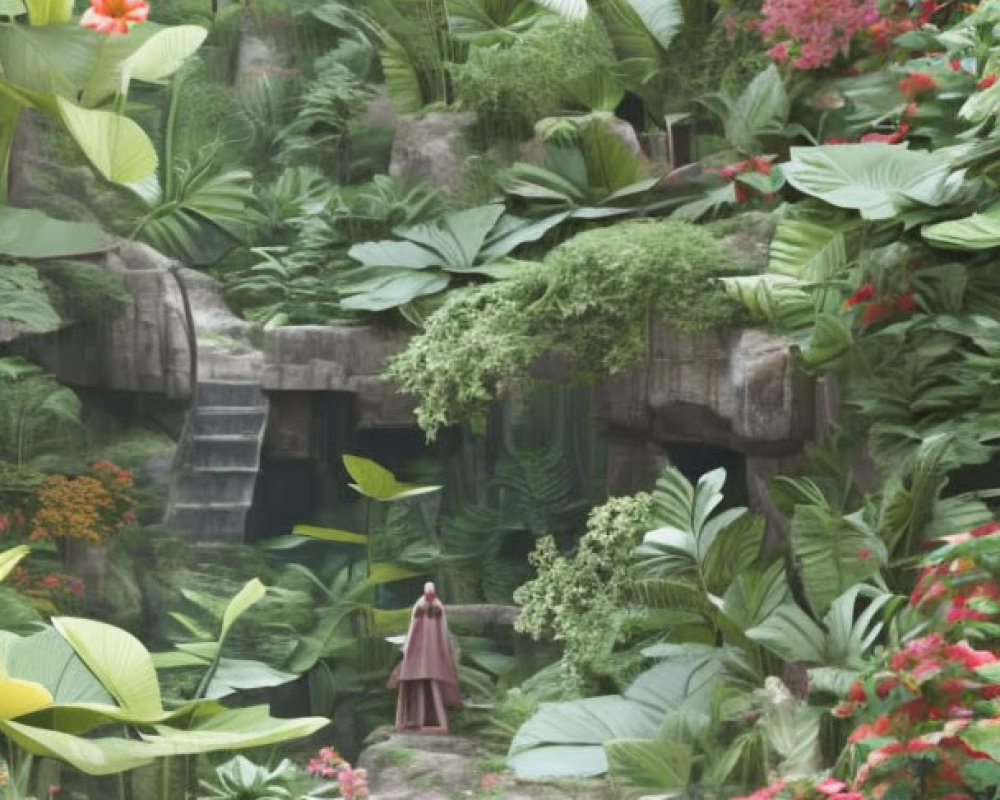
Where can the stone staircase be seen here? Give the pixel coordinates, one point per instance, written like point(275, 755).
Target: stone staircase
point(220, 450)
point(213, 489)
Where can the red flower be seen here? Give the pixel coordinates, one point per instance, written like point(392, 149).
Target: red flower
point(888, 138)
point(956, 64)
point(916, 83)
point(986, 82)
point(873, 313)
point(865, 293)
point(114, 17)
point(985, 530)
point(864, 554)
point(910, 110)
point(905, 302)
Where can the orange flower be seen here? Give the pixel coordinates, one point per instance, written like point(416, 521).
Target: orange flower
point(114, 17)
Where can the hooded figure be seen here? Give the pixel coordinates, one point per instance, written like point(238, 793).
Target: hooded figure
point(426, 678)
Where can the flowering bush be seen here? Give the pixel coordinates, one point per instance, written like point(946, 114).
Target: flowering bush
point(90, 507)
point(50, 592)
point(812, 33)
point(928, 713)
point(329, 765)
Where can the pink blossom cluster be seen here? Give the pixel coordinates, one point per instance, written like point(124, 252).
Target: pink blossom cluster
point(330, 766)
point(812, 32)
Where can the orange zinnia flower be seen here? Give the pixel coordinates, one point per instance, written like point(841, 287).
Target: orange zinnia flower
point(114, 17)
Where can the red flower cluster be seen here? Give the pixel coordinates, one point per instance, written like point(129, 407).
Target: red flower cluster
point(760, 165)
point(51, 593)
point(875, 310)
point(804, 789)
point(916, 84)
point(954, 587)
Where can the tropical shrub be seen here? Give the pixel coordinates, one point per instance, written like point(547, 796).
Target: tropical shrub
point(592, 298)
point(584, 600)
point(555, 66)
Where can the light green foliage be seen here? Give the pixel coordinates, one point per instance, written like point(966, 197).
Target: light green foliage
point(582, 599)
point(544, 72)
point(592, 297)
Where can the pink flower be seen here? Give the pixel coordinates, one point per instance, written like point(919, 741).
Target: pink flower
point(819, 30)
point(830, 786)
point(114, 17)
point(780, 52)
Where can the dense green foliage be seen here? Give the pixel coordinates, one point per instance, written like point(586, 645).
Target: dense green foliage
point(592, 298)
point(583, 600)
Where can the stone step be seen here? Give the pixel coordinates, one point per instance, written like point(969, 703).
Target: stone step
point(211, 485)
point(224, 420)
point(246, 394)
point(226, 450)
point(215, 366)
point(211, 521)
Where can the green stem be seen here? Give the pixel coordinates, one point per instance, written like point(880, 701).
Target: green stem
point(170, 127)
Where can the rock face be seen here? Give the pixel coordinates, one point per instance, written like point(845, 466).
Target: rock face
point(408, 766)
point(310, 358)
point(735, 389)
point(428, 147)
point(143, 349)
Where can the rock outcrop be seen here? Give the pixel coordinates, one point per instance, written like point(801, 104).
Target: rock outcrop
point(310, 358)
point(428, 147)
point(409, 766)
point(145, 348)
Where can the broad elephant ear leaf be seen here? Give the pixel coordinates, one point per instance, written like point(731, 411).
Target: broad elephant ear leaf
point(116, 146)
point(878, 180)
point(980, 231)
point(376, 482)
point(118, 660)
point(567, 739)
point(761, 109)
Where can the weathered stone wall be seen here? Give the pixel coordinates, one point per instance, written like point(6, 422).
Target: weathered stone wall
point(142, 349)
point(304, 358)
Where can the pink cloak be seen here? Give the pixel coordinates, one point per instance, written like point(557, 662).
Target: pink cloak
point(427, 679)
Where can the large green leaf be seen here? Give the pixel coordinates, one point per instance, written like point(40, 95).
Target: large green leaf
point(93, 756)
point(49, 12)
point(567, 739)
point(47, 658)
point(981, 231)
point(571, 9)
point(330, 534)
point(649, 763)
point(233, 729)
point(118, 660)
point(833, 553)
point(392, 288)
point(148, 52)
point(10, 557)
point(117, 147)
point(878, 180)
point(761, 109)
point(24, 299)
point(792, 634)
point(662, 18)
point(234, 674)
point(402, 80)
point(44, 61)
point(29, 233)
point(376, 482)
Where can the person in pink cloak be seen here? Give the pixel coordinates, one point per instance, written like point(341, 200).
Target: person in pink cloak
point(427, 679)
